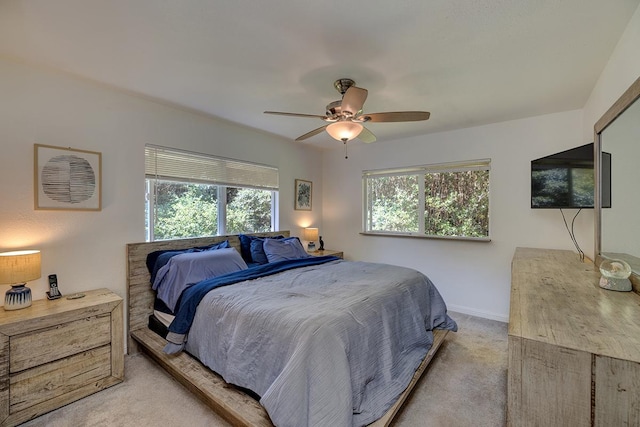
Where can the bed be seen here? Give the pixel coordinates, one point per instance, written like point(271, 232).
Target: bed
point(314, 343)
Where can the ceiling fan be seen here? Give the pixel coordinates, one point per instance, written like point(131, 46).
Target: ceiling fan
point(345, 117)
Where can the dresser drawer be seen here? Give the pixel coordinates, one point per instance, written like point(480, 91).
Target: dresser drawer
point(45, 382)
point(46, 345)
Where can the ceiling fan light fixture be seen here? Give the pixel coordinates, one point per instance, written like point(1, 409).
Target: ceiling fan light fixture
point(344, 117)
point(344, 130)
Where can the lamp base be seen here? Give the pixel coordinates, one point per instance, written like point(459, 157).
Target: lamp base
point(311, 247)
point(18, 297)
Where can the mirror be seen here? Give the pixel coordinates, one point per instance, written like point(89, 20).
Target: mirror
point(618, 228)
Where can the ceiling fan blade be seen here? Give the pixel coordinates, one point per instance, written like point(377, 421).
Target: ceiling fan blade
point(366, 136)
point(353, 100)
point(312, 133)
point(280, 113)
point(398, 116)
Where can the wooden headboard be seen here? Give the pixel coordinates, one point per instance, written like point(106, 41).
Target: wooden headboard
point(140, 296)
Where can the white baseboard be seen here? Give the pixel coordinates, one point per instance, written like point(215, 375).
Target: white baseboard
point(478, 313)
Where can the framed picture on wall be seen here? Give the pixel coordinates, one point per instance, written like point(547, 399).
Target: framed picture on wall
point(67, 179)
point(304, 190)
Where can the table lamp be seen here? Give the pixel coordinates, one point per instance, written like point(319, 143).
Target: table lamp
point(16, 269)
point(310, 234)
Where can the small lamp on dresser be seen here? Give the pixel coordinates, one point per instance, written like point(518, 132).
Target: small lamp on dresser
point(310, 234)
point(16, 269)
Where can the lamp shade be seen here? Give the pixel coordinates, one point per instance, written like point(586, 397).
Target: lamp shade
point(344, 130)
point(310, 234)
point(19, 266)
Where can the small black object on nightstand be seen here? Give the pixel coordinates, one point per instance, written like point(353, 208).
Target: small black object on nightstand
point(321, 248)
point(53, 292)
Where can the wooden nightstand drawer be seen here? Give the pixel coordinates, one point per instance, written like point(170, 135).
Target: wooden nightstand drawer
point(34, 386)
point(46, 345)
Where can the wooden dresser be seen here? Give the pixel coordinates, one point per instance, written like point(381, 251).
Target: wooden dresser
point(56, 352)
point(574, 348)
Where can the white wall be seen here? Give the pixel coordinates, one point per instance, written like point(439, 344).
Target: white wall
point(87, 249)
point(473, 277)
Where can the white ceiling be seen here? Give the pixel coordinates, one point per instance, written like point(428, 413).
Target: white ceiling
point(468, 62)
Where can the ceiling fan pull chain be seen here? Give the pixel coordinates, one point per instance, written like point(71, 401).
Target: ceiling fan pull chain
point(345, 150)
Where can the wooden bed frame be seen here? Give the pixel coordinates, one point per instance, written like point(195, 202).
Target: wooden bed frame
point(231, 403)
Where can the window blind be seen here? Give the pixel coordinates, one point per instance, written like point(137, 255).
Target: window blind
point(469, 165)
point(186, 166)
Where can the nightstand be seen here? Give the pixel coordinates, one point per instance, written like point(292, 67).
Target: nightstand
point(327, 252)
point(56, 352)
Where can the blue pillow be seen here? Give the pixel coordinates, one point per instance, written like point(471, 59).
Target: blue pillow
point(245, 247)
point(284, 249)
point(257, 252)
point(221, 245)
point(183, 270)
point(158, 259)
point(163, 258)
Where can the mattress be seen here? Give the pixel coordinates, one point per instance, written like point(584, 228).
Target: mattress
point(163, 318)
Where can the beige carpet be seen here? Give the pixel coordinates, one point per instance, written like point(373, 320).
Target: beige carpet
point(464, 386)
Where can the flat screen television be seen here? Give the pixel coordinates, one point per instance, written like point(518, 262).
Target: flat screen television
point(566, 179)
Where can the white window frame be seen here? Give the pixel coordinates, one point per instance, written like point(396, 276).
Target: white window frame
point(421, 171)
point(199, 168)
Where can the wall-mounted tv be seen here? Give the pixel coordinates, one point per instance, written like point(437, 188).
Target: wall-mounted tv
point(566, 179)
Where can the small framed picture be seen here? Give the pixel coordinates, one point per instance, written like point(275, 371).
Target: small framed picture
point(67, 179)
point(304, 190)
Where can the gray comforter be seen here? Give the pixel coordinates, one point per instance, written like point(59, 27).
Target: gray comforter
point(327, 345)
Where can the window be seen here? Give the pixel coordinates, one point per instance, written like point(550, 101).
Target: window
point(449, 200)
point(193, 195)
